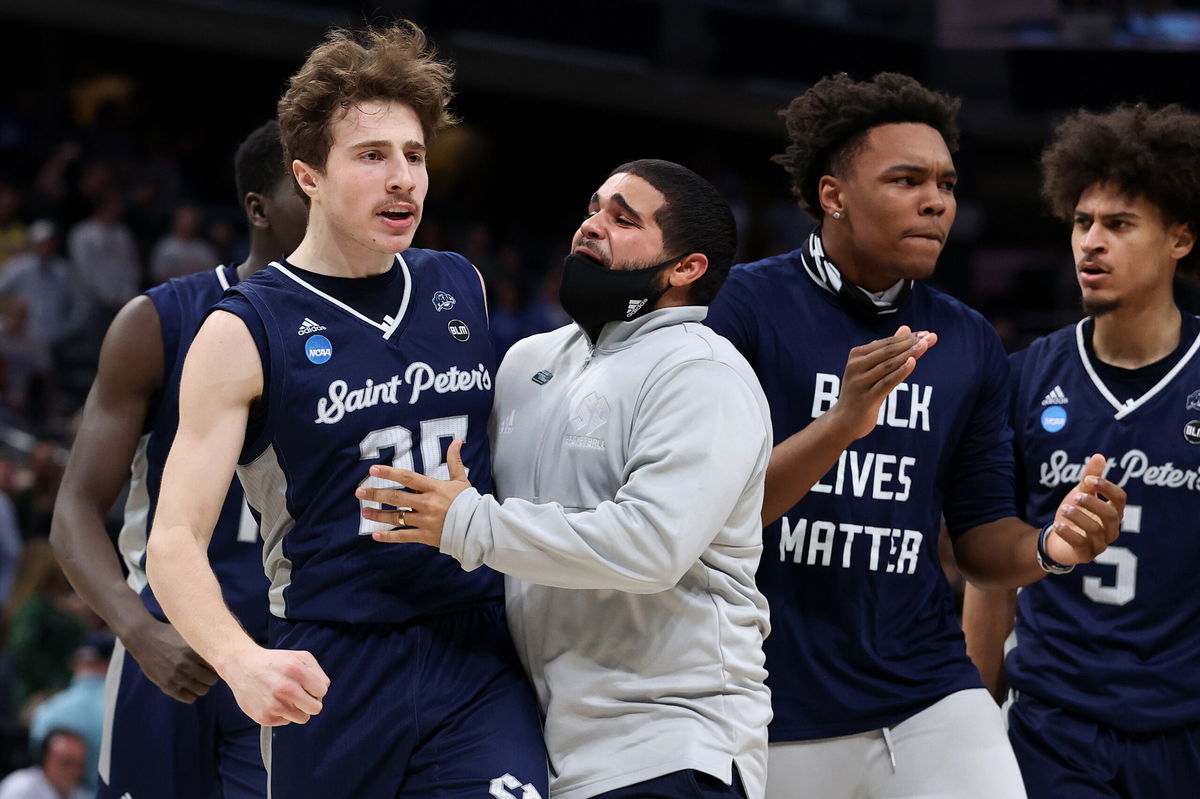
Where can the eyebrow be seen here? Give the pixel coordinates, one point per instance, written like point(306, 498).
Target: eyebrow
point(949, 173)
point(380, 144)
point(1115, 215)
point(620, 200)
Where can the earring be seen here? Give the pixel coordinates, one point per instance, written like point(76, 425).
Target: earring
point(837, 214)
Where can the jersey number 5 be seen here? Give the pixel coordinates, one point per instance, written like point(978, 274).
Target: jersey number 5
point(400, 440)
point(1124, 586)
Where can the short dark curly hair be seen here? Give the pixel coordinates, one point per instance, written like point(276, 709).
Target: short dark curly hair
point(1143, 151)
point(828, 124)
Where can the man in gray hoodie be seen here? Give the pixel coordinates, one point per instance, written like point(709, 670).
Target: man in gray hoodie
point(629, 455)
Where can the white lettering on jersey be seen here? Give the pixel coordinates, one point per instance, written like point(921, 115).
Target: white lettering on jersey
point(419, 376)
point(1133, 465)
point(907, 407)
point(825, 393)
point(878, 475)
point(814, 543)
point(501, 788)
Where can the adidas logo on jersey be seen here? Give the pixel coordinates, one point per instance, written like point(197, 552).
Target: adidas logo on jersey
point(634, 307)
point(308, 327)
point(1055, 397)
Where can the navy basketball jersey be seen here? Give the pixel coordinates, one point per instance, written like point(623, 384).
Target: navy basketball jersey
point(864, 632)
point(1117, 640)
point(344, 390)
point(234, 552)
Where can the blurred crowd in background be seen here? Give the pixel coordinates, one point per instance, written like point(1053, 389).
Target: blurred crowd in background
point(104, 193)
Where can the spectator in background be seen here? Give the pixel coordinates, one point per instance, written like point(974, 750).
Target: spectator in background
point(12, 229)
point(148, 211)
point(80, 706)
point(46, 623)
point(43, 281)
point(10, 534)
point(25, 365)
point(183, 251)
point(58, 774)
point(38, 489)
point(95, 181)
point(104, 256)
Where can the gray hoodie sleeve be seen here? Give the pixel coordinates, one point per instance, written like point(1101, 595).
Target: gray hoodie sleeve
point(697, 453)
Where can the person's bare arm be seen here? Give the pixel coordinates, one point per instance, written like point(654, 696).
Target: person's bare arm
point(987, 621)
point(130, 372)
point(872, 371)
point(1003, 553)
point(222, 377)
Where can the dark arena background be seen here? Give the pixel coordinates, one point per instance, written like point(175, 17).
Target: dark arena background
point(146, 100)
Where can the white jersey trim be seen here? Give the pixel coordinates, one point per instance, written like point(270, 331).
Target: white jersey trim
point(403, 309)
point(112, 688)
point(1124, 409)
point(388, 325)
point(266, 488)
point(220, 270)
point(135, 528)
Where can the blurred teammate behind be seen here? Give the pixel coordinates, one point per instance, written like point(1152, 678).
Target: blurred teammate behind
point(1106, 666)
point(171, 728)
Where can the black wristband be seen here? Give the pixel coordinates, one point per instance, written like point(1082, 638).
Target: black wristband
point(1049, 564)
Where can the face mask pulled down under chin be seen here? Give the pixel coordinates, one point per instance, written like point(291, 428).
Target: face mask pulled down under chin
point(593, 295)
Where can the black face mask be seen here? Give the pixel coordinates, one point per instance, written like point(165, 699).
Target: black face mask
point(593, 295)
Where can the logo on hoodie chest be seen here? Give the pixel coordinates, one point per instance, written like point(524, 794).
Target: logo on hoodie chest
point(588, 417)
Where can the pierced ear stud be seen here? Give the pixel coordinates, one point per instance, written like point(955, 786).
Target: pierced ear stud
point(837, 214)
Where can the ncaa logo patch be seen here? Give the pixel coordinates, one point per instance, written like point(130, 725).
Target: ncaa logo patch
point(1191, 431)
point(459, 330)
point(318, 349)
point(1193, 401)
point(443, 301)
point(1054, 418)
